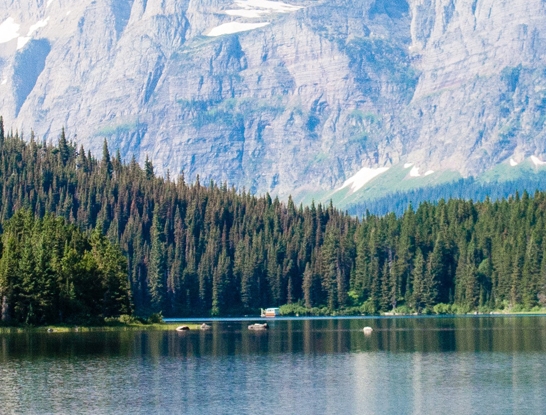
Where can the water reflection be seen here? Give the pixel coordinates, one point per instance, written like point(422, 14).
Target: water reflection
point(407, 366)
point(425, 335)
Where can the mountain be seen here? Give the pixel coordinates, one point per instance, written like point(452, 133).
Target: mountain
point(297, 97)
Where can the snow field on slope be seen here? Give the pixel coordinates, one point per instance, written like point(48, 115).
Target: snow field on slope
point(9, 30)
point(247, 13)
point(362, 177)
point(277, 6)
point(537, 162)
point(234, 27)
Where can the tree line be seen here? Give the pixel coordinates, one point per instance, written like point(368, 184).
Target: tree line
point(211, 250)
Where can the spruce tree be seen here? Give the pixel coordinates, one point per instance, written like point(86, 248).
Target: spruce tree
point(107, 167)
point(64, 150)
point(157, 274)
point(1, 130)
point(148, 168)
point(417, 279)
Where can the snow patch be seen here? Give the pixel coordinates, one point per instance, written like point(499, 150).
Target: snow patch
point(247, 13)
point(408, 165)
point(36, 26)
point(513, 163)
point(429, 172)
point(22, 41)
point(9, 30)
point(362, 177)
point(49, 3)
point(234, 27)
point(537, 162)
point(5, 81)
point(414, 172)
point(68, 12)
point(277, 6)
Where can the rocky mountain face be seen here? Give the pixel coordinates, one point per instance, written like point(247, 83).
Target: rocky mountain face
point(282, 97)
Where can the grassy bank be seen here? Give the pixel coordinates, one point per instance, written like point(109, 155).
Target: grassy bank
point(122, 323)
point(83, 329)
point(367, 309)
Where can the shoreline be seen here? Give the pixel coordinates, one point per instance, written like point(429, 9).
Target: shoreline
point(168, 326)
point(194, 323)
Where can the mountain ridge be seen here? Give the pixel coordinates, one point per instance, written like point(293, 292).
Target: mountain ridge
point(302, 103)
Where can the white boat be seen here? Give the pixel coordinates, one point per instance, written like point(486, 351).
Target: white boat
point(271, 312)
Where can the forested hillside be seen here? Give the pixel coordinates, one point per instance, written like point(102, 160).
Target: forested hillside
point(51, 272)
point(468, 189)
point(202, 250)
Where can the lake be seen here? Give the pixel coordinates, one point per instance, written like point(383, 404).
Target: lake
point(420, 365)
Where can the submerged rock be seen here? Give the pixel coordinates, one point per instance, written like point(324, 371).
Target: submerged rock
point(258, 326)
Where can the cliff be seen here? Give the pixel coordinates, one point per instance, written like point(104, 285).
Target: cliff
point(282, 97)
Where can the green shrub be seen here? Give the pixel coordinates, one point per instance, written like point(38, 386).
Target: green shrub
point(155, 318)
point(354, 298)
point(518, 308)
point(402, 309)
point(485, 309)
point(127, 319)
point(368, 308)
point(293, 310)
point(442, 308)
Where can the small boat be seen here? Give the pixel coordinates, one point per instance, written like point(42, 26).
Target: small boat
point(271, 312)
point(258, 326)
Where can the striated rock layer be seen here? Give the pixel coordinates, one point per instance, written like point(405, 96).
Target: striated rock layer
point(281, 96)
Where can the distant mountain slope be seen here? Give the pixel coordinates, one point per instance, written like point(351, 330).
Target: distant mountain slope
point(465, 189)
point(282, 97)
point(393, 189)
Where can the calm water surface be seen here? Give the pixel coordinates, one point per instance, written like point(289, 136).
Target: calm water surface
point(485, 365)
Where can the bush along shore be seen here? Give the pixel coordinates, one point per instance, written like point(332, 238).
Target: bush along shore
point(86, 238)
point(299, 310)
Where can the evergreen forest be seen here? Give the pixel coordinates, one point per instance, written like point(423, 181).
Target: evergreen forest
point(196, 250)
point(468, 189)
point(51, 272)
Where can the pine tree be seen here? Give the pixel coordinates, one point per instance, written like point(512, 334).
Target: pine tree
point(531, 275)
point(64, 150)
point(148, 168)
point(308, 288)
point(107, 167)
point(1, 130)
point(418, 285)
point(157, 275)
point(516, 278)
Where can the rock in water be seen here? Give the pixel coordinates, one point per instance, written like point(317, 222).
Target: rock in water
point(258, 326)
point(182, 328)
